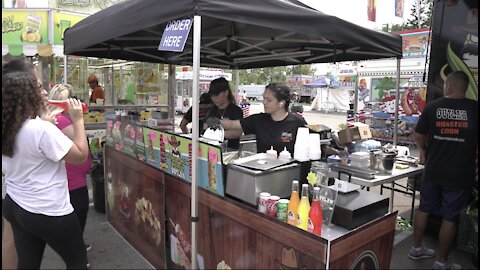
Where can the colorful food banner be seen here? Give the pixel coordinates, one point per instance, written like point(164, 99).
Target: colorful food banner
point(454, 45)
point(61, 22)
point(24, 27)
point(168, 152)
point(372, 10)
point(172, 154)
point(414, 43)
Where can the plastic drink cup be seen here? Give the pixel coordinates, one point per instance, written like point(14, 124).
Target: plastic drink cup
point(282, 209)
point(272, 206)
point(63, 104)
point(263, 202)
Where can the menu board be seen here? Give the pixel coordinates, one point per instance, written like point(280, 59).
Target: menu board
point(151, 139)
point(168, 152)
point(174, 157)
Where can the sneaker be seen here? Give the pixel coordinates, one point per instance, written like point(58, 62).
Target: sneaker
point(88, 265)
point(446, 265)
point(420, 253)
point(88, 248)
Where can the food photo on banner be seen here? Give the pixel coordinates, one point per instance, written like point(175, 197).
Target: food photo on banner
point(454, 46)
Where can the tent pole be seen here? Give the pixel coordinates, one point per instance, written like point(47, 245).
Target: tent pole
point(397, 98)
point(355, 94)
point(65, 69)
point(197, 26)
point(171, 91)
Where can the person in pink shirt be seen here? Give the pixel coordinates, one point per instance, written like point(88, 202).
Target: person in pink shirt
point(76, 173)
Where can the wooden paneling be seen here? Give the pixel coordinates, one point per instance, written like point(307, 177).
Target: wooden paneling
point(376, 238)
point(365, 234)
point(227, 230)
point(135, 184)
point(239, 235)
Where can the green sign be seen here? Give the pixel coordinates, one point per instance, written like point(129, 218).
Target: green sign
point(61, 22)
point(24, 27)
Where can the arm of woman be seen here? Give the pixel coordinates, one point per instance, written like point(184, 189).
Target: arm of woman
point(183, 125)
point(78, 153)
point(231, 124)
point(233, 128)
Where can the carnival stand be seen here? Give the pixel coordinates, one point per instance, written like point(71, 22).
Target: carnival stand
point(181, 179)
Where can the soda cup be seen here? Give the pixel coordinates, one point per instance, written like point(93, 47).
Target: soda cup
point(63, 104)
point(263, 202)
point(272, 206)
point(282, 209)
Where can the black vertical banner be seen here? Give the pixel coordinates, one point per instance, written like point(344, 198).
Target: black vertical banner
point(454, 45)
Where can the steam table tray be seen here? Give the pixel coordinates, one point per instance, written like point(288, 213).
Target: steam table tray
point(262, 162)
point(354, 171)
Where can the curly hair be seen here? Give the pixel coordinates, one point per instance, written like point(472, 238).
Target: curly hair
point(21, 100)
point(18, 65)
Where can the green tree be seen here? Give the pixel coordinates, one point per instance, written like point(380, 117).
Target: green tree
point(386, 83)
point(273, 74)
point(263, 75)
point(302, 70)
point(392, 28)
point(426, 7)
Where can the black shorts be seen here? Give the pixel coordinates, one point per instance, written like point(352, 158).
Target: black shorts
point(445, 202)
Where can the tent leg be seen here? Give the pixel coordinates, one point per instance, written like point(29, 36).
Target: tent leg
point(197, 26)
point(65, 69)
point(397, 99)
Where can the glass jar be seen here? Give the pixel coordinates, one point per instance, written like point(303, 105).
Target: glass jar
point(321, 170)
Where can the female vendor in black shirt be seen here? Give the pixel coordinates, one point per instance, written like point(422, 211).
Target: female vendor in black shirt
point(225, 108)
point(276, 127)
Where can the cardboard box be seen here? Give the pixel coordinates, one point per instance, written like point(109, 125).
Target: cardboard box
point(357, 132)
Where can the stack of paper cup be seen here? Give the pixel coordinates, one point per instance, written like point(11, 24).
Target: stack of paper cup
point(314, 149)
point(301, 147)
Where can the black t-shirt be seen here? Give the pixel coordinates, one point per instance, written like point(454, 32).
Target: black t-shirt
point(452, 130)
point(232, 112)
point(202, 113)
point(272, 133)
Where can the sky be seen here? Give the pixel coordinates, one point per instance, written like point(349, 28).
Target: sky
point(355, 11)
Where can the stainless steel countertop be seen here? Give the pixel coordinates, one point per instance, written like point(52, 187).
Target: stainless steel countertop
point(380, 178)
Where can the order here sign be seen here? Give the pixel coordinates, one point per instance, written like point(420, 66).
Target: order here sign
point(175, 35)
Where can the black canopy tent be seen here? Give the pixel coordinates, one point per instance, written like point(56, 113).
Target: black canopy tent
point(233, 34)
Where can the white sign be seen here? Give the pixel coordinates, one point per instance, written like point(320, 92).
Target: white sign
point(204, 75)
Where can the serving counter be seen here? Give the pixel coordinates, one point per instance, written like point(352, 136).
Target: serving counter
point(149, 205)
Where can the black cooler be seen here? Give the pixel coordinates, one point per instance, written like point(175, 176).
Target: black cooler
point(358, 207)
